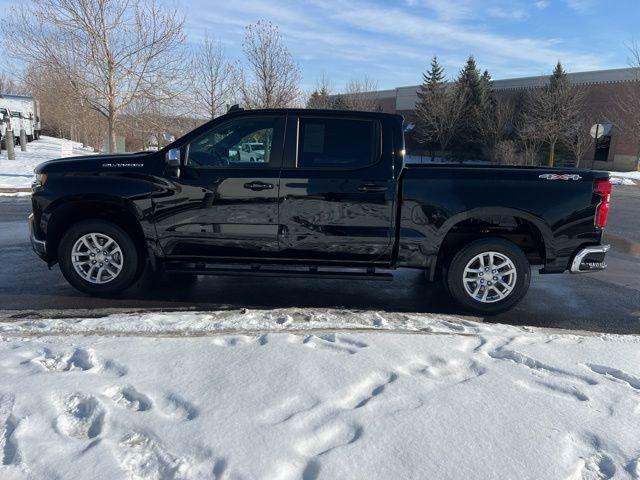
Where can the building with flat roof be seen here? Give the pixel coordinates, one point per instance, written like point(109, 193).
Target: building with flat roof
point(614, 151)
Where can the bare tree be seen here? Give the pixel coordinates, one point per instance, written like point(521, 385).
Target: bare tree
point(529, 138)
point(579, 140)
point(505, 152)
point(111, 51)
point(213, 79)
point(440, 115)
point(494, 125)
point(554, 109)
point(63, 112)
point(359, 94)
point(271, 78)
point(9, 85)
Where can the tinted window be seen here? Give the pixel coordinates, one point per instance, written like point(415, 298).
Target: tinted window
point(334, 143)
point(244, 142)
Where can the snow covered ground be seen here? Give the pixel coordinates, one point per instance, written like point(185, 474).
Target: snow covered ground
point(625, 178)
point(312, 394)
point(18, 173)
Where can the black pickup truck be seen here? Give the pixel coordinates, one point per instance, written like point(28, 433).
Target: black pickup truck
point(314, 193)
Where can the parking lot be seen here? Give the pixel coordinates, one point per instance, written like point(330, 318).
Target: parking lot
point(607, 301)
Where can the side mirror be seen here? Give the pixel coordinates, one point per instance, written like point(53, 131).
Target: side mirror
point(172, 159)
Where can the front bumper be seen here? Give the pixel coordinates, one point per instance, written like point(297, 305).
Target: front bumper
point(39, 246)
point(589, 259)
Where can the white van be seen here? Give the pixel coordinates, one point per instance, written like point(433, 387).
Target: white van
point(16, 123)
point(30, 110)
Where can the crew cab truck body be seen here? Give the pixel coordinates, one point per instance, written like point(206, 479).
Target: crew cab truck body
point(332, 197)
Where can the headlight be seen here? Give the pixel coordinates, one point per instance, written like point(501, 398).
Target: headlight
point(41, 179)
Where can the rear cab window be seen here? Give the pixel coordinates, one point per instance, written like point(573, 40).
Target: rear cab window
point(337, 143)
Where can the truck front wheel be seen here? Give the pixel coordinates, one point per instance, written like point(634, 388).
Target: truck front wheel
point(489, 276)
point(98, 257)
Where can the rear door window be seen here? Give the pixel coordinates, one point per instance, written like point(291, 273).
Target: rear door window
point(333, 143)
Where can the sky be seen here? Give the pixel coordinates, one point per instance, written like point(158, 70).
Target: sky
point(393, 41)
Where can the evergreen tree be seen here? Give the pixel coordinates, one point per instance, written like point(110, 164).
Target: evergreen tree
point(470, 80)
point(432, 80)
point(559, 78)
point(319, 98)
point(485, 89)
point(558, 86)
point(434, 77)
point(476, 88)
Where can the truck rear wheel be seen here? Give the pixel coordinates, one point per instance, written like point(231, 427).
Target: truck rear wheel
point(489, 276)
point(98, 257)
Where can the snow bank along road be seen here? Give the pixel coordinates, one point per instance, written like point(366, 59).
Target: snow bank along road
point(18, 173)
point(454, 399)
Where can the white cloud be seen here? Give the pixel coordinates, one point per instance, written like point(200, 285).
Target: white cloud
point(447, 9)
point(541, 4)
point(508, 13)
point(581, 6)
point(351, 38)
point(423, 31)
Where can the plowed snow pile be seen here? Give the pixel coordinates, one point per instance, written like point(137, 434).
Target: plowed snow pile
point(18, 173)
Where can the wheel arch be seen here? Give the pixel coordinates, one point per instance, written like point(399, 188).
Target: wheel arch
point(512, 224)
point(69, 211)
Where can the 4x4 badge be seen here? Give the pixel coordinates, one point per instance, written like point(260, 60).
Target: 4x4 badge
point(555, 176)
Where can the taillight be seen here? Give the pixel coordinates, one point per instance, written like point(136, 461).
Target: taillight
point(602, 188)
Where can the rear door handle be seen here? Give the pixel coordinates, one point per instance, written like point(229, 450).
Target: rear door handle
point(257, 186)
point(372, 187)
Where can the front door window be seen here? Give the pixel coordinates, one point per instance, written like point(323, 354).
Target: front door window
point(244, 142)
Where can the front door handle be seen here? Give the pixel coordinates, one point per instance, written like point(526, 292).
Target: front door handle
point(257, 186)
point(372, 187)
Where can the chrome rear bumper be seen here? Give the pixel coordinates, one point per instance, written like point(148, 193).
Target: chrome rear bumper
point(590, 259)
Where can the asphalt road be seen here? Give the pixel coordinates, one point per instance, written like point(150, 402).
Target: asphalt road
point(607, 301)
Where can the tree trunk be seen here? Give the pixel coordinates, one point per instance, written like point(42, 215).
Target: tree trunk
point(111, 120)
point(552, 154)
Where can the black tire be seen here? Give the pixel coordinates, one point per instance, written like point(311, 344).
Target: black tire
point(455, 274)
point(131, 258)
